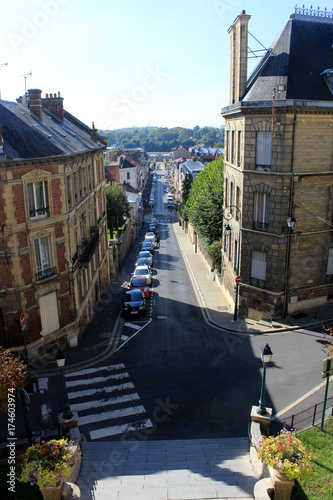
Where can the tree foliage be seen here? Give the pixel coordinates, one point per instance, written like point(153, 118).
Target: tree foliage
point(164, 139)
point(12, 377)
point(204, 205)
point(116, 205)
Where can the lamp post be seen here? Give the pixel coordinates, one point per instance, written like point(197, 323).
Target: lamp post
point(290, 223)
point(67, 414)
point(228, 215)
point(266, 354)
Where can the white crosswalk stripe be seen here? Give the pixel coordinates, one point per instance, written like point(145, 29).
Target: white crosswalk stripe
point(89, 391)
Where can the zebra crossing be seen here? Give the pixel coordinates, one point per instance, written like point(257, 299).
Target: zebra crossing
point(106, 401)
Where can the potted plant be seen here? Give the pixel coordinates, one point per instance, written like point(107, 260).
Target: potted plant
point(286, 458)
point(46, 463)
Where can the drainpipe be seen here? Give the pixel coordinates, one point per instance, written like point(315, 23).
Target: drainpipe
point(291, 199)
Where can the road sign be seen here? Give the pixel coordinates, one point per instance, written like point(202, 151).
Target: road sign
point(22, 320)
point(328, 367)
point(238, 279)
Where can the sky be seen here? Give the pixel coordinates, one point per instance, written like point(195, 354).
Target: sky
point(126, 63)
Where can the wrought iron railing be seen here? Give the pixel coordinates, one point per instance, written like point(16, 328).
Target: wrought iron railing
point(303, 11)
point(260, 226)
point(45, 273)
point(39, 212)
point(258, 283)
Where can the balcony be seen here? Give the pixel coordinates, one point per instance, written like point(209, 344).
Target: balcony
point(89, 248)
point(47, 272)
point(40, 212)
point(258, 283)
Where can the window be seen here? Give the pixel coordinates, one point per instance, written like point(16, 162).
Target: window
point(236, 256)
point(226, 193)
point(237, 203)
point(329, 271)
point(69, 191)
point(239, 150)
point(49, 315)
point(233, 146)
point(128, 175)
point(261, 212)
point(264, 150)
point(42, 255)
point(258, 269)
point(227, 146)
point(38, 199)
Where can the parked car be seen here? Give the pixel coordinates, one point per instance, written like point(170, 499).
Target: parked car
point(139, 282)
point(146, 254)
point(150, 236)
point(143, 261)
point(152, 228)
point(153, 220)
point(170, 204)
point(151, 203)
point(148, 245)
point(143, 271)
point(134, 302)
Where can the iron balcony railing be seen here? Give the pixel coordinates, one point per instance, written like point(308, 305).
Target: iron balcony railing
point(45, 273)
point(39, 212)
point(260, 226)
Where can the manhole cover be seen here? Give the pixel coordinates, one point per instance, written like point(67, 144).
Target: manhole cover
point(162, 317)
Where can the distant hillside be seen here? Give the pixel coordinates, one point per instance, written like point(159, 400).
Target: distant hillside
point(163, 138)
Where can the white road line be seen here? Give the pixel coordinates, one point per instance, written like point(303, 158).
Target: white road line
point(119, 429)
point(124, 337)
point(104, 402)
point(88, 371)
point(109, 415)
point(96, 380)
point(107, 390)
point(131, 325)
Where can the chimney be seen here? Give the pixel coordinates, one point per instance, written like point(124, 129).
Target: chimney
point(55, 104)
point(93, 132)
point(238, 33)
point(35, 103)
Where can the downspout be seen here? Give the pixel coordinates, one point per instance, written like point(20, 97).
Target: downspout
point(291, 200)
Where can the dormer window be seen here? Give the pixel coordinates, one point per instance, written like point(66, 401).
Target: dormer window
point(328, 77)
point(38, 199)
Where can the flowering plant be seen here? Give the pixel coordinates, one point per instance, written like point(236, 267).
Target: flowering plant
point(44, 463)
point(286, 453)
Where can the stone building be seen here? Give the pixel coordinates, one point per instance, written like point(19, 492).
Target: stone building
point(53, 241)
point(279, 170)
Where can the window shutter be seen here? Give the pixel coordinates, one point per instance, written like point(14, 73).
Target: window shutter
point(264, 149)
point(258, 268)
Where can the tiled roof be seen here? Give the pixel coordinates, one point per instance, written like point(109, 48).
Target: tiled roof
point(296, 59)
point(25, 136)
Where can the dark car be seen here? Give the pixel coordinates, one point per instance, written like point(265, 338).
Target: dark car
point(134, 302)
point(139, 282)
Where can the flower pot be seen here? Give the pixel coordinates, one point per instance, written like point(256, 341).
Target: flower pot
point(52, 492)
point(282, 484)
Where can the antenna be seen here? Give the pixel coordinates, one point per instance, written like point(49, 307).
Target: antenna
point(25, 80)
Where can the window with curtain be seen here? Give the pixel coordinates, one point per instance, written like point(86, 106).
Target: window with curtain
point(38, 199)
point(258, 269)
point(239, 148)
point(42, 256)
point(261, 211)
point(264, 150)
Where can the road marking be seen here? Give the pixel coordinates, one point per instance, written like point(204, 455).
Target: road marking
point(124, 337)
point(92, 392)
point(88, 371)
point(96, 380)
point(132, 325)
point(120, 429)
point(104, 402)
point(109, 415)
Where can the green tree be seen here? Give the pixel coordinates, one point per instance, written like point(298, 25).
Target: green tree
point(116, 206)
point(204, 205)
point(186, 188)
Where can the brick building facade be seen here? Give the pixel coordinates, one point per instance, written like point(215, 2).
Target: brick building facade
point(279, 171)
point(53, 241)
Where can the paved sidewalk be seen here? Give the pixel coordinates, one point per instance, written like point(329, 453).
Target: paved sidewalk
point(219, 312)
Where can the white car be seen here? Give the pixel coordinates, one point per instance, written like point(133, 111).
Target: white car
point(150, 237)
point(147, 255)
point(143, 271)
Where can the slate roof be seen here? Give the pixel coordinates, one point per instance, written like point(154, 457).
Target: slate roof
point(26, 137)
point(296, 59)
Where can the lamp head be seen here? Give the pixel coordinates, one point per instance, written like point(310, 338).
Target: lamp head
point(227, 230)
point(291, 222)
point(266, 354)
point(60, 359)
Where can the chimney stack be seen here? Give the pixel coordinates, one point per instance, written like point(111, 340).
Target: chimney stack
point(238, 33)
point(93, 132)
point(35, 103)
point(54, 104)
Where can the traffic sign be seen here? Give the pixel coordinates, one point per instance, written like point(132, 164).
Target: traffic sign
point(238, 279)
point(22, 320)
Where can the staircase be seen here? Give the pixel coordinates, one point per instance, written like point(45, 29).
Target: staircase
point(167, 470)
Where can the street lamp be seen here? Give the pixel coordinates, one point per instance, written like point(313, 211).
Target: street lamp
point(67, 414)
point(228, 215)
point(266, 354)
point(291, 224)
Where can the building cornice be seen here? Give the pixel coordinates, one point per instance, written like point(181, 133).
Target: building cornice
point(281, 106)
